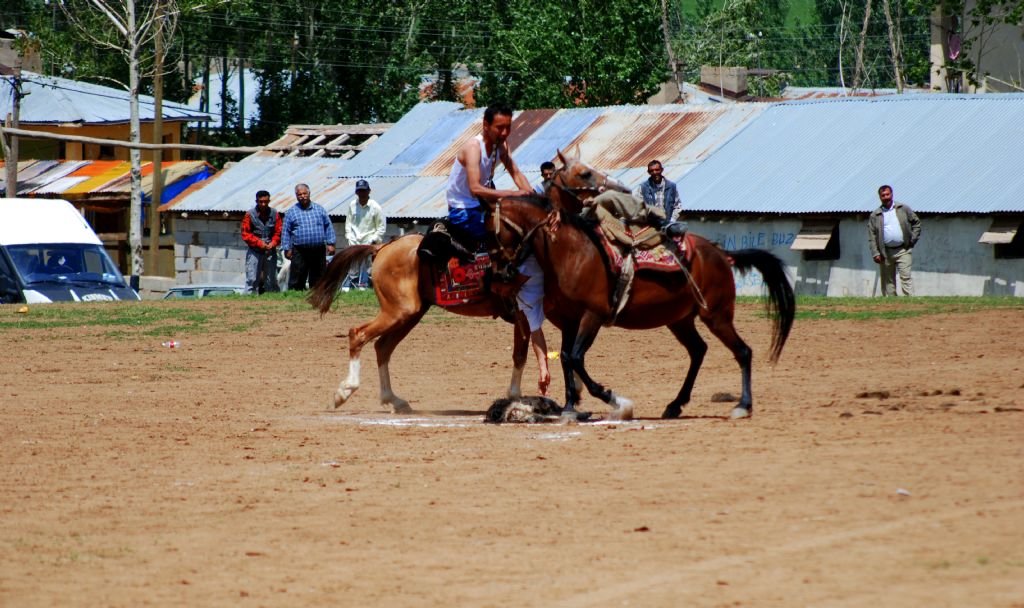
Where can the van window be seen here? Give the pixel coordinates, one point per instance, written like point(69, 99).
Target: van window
point(9, 290)
point(63, 262)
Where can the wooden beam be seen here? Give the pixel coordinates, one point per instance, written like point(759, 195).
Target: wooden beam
point(27, 133)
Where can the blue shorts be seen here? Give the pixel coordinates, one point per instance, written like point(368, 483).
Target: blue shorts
point(471, 220)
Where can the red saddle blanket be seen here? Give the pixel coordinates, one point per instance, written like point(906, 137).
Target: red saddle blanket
point(458, 284)
point(659, 258)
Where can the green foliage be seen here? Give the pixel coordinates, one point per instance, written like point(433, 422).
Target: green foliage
point(573, 53)
point(805, 43)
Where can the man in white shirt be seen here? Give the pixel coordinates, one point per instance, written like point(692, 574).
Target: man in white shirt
point(364, 225)
point(893, 230)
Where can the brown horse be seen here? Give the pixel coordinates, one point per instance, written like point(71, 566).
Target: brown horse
point(578, 282)
point(403, 284)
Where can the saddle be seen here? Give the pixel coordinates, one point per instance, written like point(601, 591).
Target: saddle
point(631, 248)
point(460, 273)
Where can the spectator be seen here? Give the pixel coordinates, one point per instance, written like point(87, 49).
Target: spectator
point(365, 225)
point(308, 238)
point(893, 231)
point(547, 171)
point(658, 192)
point(261, 231)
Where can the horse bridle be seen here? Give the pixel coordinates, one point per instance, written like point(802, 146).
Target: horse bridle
point(520, 253)
point(555, 181)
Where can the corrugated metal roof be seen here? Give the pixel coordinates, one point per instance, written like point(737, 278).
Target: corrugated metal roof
point(77, 180)
point(791, 157)
point(54, 100)
point(941, 154)
point(234, 188)
point(409, 165)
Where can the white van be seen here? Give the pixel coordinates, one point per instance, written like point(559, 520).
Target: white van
point(49, 253)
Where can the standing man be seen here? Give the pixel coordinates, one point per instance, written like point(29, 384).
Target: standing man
point(893, 230)
point(308, 240)
point(547, 173)
point(658, 192)
point(261, 231)
point(364, 225)
point(472, 179)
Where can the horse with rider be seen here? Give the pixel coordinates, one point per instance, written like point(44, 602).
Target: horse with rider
point(616, 263)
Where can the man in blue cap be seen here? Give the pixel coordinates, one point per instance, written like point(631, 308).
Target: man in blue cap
point(364, 225)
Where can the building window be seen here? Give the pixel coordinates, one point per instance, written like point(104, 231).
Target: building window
point(1005, 235)
point(106, 153)
point(818, 239)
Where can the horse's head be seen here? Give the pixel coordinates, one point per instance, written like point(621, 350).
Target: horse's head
point(581, 181)
point(511, 224)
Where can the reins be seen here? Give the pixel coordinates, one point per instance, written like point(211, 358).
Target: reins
point(522, 251)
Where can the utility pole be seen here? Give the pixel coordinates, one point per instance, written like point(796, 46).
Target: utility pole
point(10, 142)
point(158, 138)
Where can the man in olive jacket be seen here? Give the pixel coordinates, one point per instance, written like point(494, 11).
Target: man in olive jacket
point(893, 230)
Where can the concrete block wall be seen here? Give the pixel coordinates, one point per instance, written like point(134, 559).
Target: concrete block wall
point(211, 250)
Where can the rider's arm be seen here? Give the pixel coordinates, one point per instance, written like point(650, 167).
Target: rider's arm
point(469, 156)
point(513, 170)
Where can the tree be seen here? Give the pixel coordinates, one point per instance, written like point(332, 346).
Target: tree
point(120, 27)
point(575, 52)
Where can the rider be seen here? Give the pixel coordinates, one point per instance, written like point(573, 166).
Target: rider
point(633, 210)
point(472, 175)
point(472, 179)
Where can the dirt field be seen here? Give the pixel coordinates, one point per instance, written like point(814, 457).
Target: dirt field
point(884, 466)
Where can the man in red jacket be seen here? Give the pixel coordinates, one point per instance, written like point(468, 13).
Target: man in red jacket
point(261, 231)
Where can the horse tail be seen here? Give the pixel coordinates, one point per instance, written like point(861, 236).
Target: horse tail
point(322, 295)
point(781, 304)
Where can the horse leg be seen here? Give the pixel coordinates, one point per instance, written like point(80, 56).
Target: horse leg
point(385, 346)
point(520, 348)
point(590, 325)
point(357, 338)
point(723, 328)
point(696, 347)
point(572, 391)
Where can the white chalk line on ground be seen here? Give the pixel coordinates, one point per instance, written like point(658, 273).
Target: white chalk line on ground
point(674, 577)
point(385, 420)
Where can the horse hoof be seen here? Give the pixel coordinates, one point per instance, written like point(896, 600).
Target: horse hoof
point(568, 418)
point(672, 412)
point(739, 412)
point(622, 413)
point(401, 407)
point(341, 396)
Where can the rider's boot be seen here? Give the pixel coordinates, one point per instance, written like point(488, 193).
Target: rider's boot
point(670, 229)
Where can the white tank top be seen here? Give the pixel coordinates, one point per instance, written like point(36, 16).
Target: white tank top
point(458, 194)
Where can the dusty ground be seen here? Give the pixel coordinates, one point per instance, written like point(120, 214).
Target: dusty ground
point(213, 475)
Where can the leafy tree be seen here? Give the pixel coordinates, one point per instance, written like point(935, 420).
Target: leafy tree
point(573, 52)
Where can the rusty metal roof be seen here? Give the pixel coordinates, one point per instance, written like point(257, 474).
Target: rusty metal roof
point(942, 153)
point(408, 166)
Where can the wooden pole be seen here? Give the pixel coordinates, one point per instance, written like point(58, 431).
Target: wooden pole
point(158, 138)
point(11, 140)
